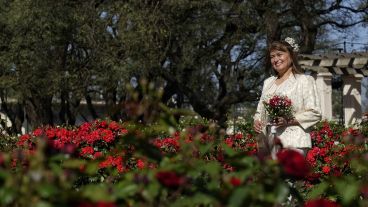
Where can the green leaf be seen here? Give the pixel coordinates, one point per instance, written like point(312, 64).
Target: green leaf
point(203, 149)
point(212, 168)
point(7, 196)
point(42, 204)
point(151, 191)
point(198, 199)
point(125, 189)
point(281, 191)
point(47, 190)
point(75, 164)
point(359, 167)
point(98, 192)
point(92, 168)
point(347, 189)
point(237, 197)
point(318, 190)
point(229, 151)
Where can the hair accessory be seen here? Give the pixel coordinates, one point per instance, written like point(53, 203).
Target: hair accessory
point(292, 43)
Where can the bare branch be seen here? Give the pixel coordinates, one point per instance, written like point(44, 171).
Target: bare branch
point(334, 6)
point(340, 25)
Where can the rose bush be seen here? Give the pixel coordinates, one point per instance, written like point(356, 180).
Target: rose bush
point(111, 163)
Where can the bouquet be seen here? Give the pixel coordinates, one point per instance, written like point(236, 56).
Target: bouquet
point(278, 106)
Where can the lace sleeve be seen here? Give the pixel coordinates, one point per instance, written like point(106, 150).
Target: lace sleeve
point(311, 113)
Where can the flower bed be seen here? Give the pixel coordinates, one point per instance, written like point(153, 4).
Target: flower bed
point(130, 164)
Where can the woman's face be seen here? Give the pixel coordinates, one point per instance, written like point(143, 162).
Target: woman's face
point(281, 61)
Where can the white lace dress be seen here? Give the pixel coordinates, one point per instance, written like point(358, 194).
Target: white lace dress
point(301, 89)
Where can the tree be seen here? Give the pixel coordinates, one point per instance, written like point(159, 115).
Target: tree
point(51, 52)
point(204, 50)
point(309, 20)
point(212, 52)
point(54, 55)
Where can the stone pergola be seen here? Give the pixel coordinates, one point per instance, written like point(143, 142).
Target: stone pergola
point(352, 67)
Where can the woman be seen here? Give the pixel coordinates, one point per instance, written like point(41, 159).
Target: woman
point(300, 88)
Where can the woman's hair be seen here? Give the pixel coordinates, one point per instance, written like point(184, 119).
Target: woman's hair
point(286, 47)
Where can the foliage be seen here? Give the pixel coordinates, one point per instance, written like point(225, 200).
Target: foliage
point(187, 121)
point(184, 167)
point(209, 54)
point(364, 128)
point(7, 143)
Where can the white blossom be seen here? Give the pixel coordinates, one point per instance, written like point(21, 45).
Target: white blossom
point(292, 43)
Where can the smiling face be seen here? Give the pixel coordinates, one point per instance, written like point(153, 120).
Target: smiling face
point(281, 61)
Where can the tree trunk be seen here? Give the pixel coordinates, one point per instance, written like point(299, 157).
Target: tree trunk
point(90, 107)
point(39, 110)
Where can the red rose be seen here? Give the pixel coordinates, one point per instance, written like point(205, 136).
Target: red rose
point(82, 168)
point(140, 164)
point(38, 132)
point(97, 155)
point(235, 181)
point(229, 142)
point(323, 152)
point(23, 139)
point(113, 126)
point(364, 191)
point(101, 124)
point(107, 135)
point(327, 159)
point(293, 163)
point(87, 151)
point(326, 169)
point(2, 159)
point(239, 136)
point(170, 179)
point(321, 203)
point(69, 148)
point(312, 177)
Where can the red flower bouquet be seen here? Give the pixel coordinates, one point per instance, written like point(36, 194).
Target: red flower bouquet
point(278, 106)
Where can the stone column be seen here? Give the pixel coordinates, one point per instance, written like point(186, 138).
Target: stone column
point(324, 89)
point(352, 98)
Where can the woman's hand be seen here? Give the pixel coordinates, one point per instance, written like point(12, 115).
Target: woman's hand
point(257, 126)
point(282, 122)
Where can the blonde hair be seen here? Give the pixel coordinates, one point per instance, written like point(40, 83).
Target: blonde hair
point(286, 47)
